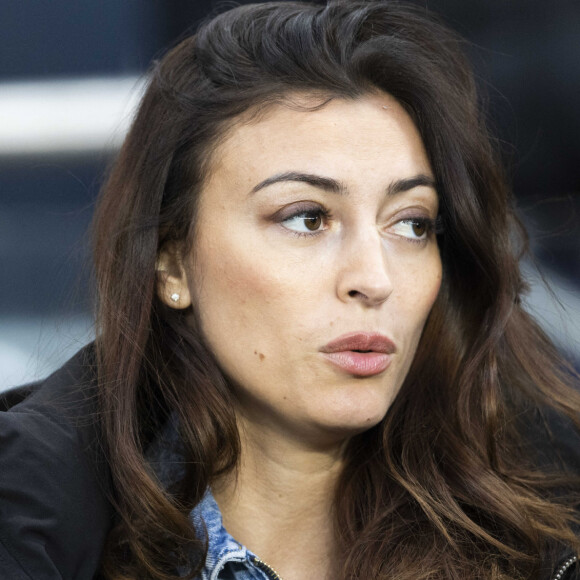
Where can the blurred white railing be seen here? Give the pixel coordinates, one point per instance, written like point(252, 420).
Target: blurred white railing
point(66, 116)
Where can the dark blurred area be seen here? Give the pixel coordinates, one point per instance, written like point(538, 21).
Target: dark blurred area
point(526, 55)
point(527, 58)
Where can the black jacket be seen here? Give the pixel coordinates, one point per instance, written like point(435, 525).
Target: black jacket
point(54, 512)
point(54, 482)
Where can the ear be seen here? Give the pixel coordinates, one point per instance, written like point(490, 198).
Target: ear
point(172, 282)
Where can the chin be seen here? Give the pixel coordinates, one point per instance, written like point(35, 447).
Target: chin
point(339, 434)
point(350, 422)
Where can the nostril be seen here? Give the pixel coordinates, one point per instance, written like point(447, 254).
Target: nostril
point(358, 295)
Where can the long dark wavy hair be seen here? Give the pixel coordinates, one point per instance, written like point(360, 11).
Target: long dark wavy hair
point(449, 484)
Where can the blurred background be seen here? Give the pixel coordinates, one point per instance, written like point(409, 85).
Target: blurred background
point(71, 74)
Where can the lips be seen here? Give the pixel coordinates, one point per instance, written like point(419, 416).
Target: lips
point(361, 354)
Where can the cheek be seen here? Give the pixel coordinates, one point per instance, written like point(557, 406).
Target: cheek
point(227, 290)
point(423, 281)
point(434, 287)
point(225, 282)
point(238, 291)
point(414, 306)
point(418, 294)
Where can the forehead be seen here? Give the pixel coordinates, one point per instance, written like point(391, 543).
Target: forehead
point(313, 131)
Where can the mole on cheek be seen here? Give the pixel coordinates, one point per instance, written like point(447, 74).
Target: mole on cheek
point(262, 356)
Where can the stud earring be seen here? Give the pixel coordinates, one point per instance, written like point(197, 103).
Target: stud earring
point(175, 297)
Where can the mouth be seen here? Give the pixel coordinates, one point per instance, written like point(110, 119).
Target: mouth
point(360, 354)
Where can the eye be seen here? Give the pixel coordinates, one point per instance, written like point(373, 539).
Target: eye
point(415, 229)
point(306, 222)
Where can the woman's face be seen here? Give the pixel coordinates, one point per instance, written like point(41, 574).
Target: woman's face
point(316, 263)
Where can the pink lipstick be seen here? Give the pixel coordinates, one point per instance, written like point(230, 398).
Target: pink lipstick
point(360, 353)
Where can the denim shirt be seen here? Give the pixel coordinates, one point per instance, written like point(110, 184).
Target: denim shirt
point(226, 559)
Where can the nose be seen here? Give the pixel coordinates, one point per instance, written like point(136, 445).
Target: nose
point(364, 273)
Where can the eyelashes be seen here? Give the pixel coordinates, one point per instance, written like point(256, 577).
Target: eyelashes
point(303, 218)
point(307, 220)
point(418, 229)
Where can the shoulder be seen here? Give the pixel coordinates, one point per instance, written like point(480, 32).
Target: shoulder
point(54, 512)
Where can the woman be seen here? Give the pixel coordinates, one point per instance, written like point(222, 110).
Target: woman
point(309, 329)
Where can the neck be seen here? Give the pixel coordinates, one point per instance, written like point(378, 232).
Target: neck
point(279, 502)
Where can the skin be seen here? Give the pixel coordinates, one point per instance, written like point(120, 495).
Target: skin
point(281, 269)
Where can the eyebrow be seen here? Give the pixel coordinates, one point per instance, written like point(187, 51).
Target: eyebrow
point(401, 185)
point(334, 186)
point(325, 183)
